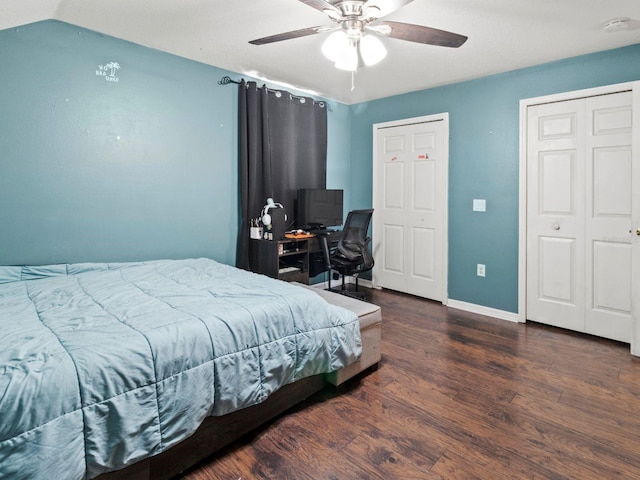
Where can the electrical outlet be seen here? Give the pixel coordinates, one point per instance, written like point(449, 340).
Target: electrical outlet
point(480, 270)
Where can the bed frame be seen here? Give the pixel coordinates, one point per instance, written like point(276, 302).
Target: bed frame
point(217, 432)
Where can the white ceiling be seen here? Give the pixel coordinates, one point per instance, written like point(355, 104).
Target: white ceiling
point(503, 35)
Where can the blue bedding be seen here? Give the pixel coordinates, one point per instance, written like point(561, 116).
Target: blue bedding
point(102, 365)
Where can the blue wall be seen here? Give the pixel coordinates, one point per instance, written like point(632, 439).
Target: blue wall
point(145, 167)
point(484, 159)
point(141, 168)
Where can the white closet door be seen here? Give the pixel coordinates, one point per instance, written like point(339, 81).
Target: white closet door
point(555, 214)
point(409, 201)
point(579, 215)
point(608, 220)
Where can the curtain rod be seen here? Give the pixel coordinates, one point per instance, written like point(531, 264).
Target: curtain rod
point(226, 80)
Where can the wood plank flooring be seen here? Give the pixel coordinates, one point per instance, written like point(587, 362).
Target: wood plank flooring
point(458, 396)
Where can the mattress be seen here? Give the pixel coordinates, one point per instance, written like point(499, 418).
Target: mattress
point(102, 365)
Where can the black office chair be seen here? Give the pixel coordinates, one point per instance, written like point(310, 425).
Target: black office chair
point(351, 255)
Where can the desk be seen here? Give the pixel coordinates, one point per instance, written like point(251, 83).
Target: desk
point(290, 259)
point(286, 259)
point(317, 261)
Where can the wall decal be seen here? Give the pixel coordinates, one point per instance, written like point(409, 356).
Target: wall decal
point(108, 71)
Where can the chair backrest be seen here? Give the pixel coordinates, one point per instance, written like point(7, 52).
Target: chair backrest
point(354, 241)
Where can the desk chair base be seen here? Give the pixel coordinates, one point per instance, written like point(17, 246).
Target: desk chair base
point(343, 290)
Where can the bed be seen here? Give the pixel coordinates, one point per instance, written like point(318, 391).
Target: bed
point(107, 365)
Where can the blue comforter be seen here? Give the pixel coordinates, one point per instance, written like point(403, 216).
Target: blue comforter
point(102, 365)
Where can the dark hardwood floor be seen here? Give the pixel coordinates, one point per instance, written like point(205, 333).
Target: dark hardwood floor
point(459, 396)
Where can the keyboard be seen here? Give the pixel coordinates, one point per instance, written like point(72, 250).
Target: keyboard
point(324, 231)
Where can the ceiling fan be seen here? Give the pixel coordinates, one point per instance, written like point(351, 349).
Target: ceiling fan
point(355, 21)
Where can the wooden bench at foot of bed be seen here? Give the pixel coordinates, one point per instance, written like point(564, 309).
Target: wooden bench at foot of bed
point(370, 318)
point(216, 433)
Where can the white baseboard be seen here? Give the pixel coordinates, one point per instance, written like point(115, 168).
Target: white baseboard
point(482, 310)
point(457, 304)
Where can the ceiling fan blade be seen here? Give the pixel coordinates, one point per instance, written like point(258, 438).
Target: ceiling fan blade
point(322, 5)
point(289, 35)
point(383, 7)
point(420, 34)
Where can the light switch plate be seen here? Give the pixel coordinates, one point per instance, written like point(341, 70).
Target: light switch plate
point(479, 205)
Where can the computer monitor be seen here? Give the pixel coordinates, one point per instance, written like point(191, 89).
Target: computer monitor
point(319, 208)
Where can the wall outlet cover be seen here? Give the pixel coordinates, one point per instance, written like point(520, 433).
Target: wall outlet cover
point(479, 205)
point(481, 271)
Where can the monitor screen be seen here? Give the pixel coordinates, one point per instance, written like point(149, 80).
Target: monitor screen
point(319, 208)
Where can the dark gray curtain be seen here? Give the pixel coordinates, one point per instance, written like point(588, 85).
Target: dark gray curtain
point(282, 147)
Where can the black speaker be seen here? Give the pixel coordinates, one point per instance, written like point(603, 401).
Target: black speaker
point(278, 223)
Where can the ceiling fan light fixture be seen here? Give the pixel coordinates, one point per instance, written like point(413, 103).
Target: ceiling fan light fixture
point(351, 45)
point(335, 45)
point(348, 58)
point(372, 50)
